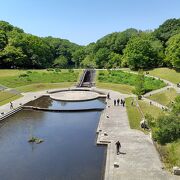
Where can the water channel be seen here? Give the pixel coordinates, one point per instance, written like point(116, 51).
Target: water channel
point(69, 150)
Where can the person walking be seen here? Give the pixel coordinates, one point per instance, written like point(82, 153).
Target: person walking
point(114, 102)
point(123, 103)
point(108, 96)
point(118, 146)
point(118, 101)
point(11, 105)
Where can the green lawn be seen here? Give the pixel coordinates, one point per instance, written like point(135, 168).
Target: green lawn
point(150, 109)
point(170, 154)
point(166, 73)
point(121, 77)
point(44, 86)
point(122, 88)
point(6, 97)
point(134, 114)
point(164, 97)
point(17, 78)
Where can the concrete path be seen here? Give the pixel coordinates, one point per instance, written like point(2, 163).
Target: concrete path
point(154, 103)
point(157, 91)
point(5, 109)
point(139, 159)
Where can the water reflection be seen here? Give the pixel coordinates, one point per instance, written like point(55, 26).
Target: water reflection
point(68, 152)
point(47, 102)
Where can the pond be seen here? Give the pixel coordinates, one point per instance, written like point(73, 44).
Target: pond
point(47, 102)
point(69, 150)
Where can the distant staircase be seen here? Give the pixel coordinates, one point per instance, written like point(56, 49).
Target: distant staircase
point(87, 78)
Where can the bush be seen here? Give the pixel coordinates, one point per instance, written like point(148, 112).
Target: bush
point(120, 77)
point(57, 70)
point(150, 120)
point(23, 75)
point(71, 70)
point(167, 129)
point(50, 69)
point(29, 72)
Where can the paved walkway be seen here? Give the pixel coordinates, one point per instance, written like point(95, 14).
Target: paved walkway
point(5, 109)
point(139, 159)
point(157, 91)
point(75, 95)
point(154, 103)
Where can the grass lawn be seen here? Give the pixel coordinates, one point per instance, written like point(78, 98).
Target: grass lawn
point(170, 154)
point(122, 88)
point(44, 86)
point(150, 109)
point(134, 114)
point(6, 97)
point(121, 77)
point(17, 78)
point(166, 73)
point(164, 97)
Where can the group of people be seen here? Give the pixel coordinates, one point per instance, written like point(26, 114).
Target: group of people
point(119, 101)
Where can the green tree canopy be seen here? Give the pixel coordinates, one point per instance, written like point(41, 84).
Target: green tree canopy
point(139, 54)
point(61, 62)
point(173, 51)
point(167, 29)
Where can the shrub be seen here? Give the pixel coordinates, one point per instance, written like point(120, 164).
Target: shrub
point(167, 129)
point(23, 75)
point(143, 84)
point(71, 70)
point(50, 69)
point(29, 72)
point(57, 70)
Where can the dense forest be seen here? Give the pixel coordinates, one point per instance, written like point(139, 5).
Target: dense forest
point(131, 48)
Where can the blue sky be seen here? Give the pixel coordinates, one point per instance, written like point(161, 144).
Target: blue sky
point(85, 21)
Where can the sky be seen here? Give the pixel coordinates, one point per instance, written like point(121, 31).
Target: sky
point(85, 21)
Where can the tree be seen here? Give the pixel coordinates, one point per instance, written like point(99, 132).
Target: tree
point(13, 56)
point(139, 87)
point(3, 39)
point(5, 26)
point(89, 62)
point(176, 106)
point(168, 29)
point(173, 51)
point(78, 56)
point(139, 54)
point(114, 60)
point(123, 38)
point(60, 62)
point(102, 57)
point(167, 129)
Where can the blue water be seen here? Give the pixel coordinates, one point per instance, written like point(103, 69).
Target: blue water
point(47, 102)
point(69, 150)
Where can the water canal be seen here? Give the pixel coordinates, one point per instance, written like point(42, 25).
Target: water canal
point(69, 150)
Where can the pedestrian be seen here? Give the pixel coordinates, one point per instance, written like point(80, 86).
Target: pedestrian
point(123, 103)
point(11, 105)
point(118, 101)
point(150, 103)
point(118, 146)
point(108, 96)
point(114, 102)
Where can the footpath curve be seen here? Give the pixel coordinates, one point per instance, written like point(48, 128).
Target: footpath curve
point(139, 159)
